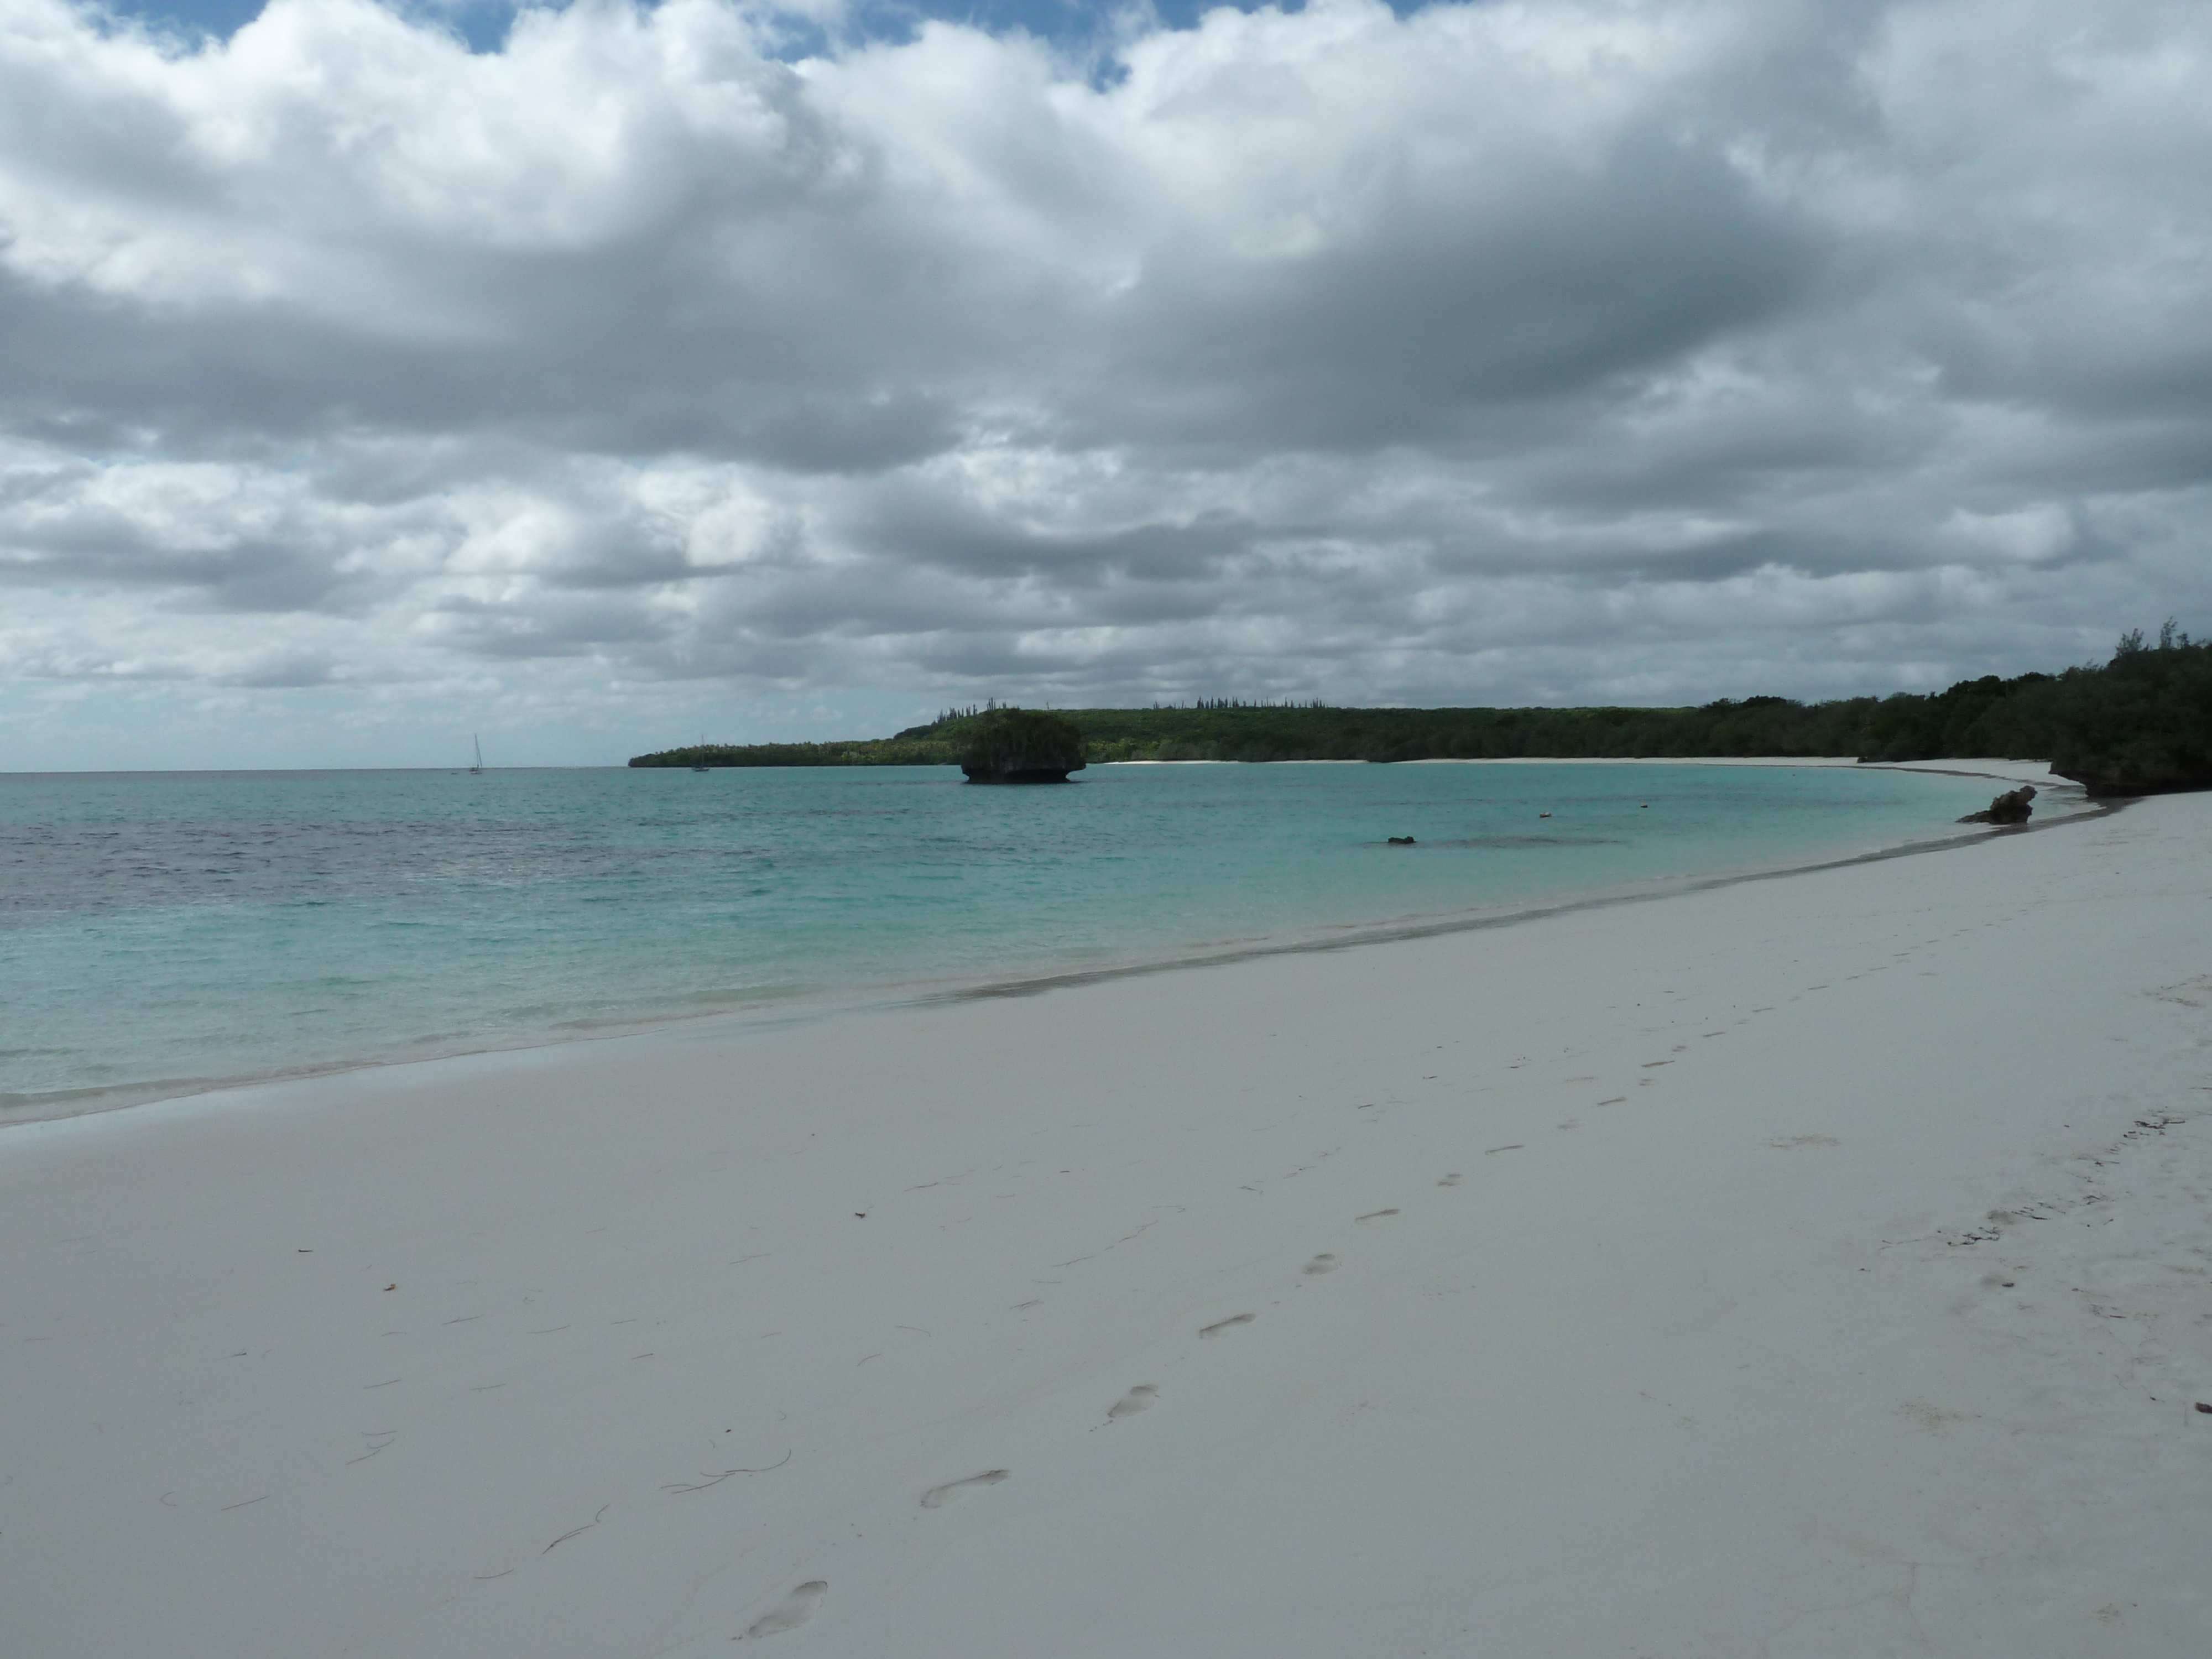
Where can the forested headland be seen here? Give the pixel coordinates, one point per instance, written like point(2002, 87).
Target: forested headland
point(2139, 723)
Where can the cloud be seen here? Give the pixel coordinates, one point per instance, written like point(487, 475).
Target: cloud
point(1545, 351)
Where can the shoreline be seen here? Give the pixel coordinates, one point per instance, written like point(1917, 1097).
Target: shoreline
point(1812, 1264)
point(1352, 935)
point(777, 1011)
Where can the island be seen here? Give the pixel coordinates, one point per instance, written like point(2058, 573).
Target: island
point(2140, 723)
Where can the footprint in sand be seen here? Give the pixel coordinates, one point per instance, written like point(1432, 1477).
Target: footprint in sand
point(1323, 1263)
point(1449, 1180)
point(937, 1497)
point(1374, 1215)
point(1221, 1325)
point(794, 1610)
point(1138, 1399)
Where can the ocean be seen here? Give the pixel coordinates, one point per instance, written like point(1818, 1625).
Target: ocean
point(162, 932)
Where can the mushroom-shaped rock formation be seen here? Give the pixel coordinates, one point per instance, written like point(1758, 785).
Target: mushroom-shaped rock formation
point(1020, 745)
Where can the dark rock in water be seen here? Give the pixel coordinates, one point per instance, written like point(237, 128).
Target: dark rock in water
point(1402, 841)
point(2135, 774)
point(1020, 745)
point(2010, 807)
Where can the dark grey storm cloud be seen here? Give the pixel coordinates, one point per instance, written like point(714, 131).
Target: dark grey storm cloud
point(1546, 351)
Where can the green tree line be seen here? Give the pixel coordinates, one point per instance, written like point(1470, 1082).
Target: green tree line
point(2141, 722)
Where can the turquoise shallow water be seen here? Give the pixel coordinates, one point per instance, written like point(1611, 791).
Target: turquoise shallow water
point(162, 930)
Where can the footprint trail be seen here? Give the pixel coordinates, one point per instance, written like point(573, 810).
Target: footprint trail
point(1138, 1399)
point(794, 1610)
point(937, 1497)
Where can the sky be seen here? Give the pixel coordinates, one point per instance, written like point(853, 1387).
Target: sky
point(595, 378)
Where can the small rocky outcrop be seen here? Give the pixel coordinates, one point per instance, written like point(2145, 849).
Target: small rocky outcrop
point(2010, 807)
point(2143, 770)
point(1020, 745)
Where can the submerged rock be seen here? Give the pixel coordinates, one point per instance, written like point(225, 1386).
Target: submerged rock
point(2010, 807)
point(1020, 745)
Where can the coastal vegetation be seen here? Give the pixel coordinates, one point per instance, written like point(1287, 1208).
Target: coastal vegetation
point(2138, 723)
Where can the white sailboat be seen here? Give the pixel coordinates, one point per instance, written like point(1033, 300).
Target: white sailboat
point(477, 771)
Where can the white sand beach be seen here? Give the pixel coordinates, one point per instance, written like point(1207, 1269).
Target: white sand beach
point(1814, 1266)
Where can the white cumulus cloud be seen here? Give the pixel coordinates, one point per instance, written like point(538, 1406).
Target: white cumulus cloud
point(1557, 350)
